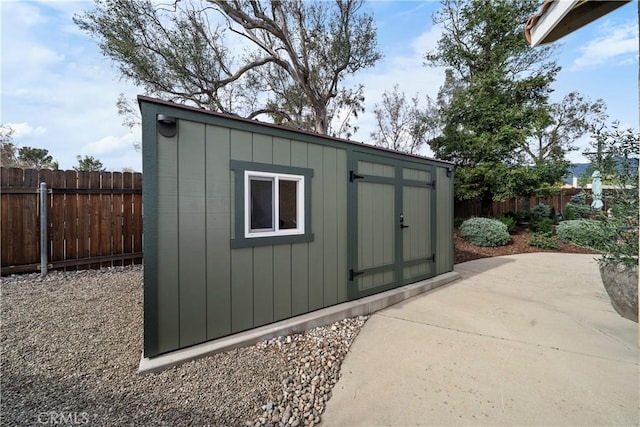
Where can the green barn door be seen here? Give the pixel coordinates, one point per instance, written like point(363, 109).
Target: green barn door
point(374, 231)
point(390, 217)
point(416, 218)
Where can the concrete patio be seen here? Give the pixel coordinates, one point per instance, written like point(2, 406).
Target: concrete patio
point(526, 339)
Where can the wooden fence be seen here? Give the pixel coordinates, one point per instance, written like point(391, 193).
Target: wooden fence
point(469, 208)
point(94, 219)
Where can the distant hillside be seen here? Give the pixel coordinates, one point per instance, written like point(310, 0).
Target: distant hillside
point(576, 170)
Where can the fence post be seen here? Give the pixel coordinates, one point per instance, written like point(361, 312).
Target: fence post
point(43, 230)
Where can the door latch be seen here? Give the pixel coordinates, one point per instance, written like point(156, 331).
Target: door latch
point(402, 222)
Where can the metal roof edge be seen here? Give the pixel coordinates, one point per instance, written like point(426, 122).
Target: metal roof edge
point(233, 117)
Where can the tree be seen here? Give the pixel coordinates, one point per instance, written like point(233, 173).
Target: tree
point(617, 157)
point(88, 164)
point(614, 151)
point(494, 89)
point(36, 158)
point(130, 113)
point(561, 124)
point(8, 147)
point(403, 125)
point(296, 55)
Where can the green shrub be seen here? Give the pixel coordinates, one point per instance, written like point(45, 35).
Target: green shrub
point(569, 213)
point(623, 219)
point(457, 222)
point(579, 199)
point(543, 225)
point(544, 241)
point(578, 204)
point(484, 232)
point(586, 232)
point(523, 217)
point(512, 214)
point(509, 222)
point(541, 211)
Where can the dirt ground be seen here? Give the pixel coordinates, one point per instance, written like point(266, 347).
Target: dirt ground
point(518, 245)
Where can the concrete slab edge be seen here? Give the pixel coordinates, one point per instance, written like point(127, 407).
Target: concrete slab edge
point(322, 317)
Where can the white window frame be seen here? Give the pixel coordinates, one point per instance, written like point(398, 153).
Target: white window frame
point(276, 231)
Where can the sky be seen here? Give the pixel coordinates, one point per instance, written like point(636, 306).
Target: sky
point(58, 92)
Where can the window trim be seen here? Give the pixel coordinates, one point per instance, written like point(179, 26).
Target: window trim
point(240, 211)
point(275, 179)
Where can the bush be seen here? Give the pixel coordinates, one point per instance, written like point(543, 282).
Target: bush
point(578, 205)
point(623, 219)
point(541, 211)
point(544, 241)
point(586, 232)
point(523, 216)
point(543, 225)
point(509, 222)
point(484, 232)
point(569, 213)
point(512, 214)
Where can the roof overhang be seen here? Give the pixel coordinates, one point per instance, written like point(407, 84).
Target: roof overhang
point(558, 18)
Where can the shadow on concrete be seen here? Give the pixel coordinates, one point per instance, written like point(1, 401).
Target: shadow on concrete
point(482, 265)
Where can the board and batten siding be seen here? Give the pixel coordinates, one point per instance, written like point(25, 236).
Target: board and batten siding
point(206, 289)
point(202, 282)
point(444, 220)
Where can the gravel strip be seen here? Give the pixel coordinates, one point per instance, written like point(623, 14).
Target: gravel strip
point(71, 345)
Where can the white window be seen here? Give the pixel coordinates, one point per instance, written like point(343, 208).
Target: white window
point(273, 205)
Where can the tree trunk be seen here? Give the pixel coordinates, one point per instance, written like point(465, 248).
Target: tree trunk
point(322, 125)
point(486, 205)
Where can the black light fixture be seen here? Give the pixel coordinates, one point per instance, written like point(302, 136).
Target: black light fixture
point(449, 172)
point(167, 125)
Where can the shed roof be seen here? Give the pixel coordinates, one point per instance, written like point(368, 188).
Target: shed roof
point(142, 98)
point(557, 18)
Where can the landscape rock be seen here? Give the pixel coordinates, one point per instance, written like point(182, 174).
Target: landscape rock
point(71, 343)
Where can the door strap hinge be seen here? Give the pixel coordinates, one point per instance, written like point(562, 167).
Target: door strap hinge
point(353, 274)
point(353, 176)
point(432, 258)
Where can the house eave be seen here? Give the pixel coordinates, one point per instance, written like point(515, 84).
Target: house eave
point(559, 18)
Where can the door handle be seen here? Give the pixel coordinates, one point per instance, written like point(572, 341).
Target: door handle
point(402, 222)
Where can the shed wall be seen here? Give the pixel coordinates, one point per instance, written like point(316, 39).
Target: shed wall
point(206, 289)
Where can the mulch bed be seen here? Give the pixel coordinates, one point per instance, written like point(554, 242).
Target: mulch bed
point(518, 245)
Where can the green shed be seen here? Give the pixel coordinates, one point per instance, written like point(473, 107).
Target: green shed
point(248, 223)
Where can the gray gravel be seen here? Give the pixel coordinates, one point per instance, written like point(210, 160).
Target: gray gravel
point(71, 345)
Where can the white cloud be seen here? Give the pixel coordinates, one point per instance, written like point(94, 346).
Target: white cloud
point(24, 55)
point(24, 12)
point(56, 78)
point(407, 70)
point(427, 41)
point(25, 130)
point(412, 11)
point(110, 144)
point(618, 44)
point(43, 55)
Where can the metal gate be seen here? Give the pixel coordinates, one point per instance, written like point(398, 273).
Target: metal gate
point(391, 223)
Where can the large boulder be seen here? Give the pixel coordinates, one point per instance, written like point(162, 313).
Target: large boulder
point(621, 283)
